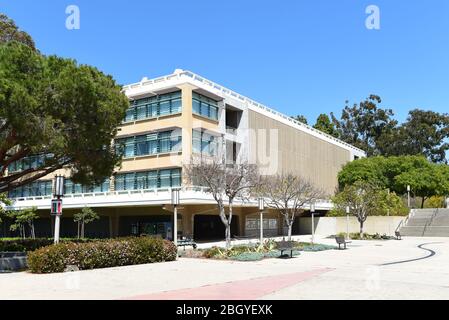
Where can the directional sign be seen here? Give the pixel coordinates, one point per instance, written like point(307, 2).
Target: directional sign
point(56, 206)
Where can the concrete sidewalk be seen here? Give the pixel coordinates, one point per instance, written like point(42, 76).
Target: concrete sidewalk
point(352, 274)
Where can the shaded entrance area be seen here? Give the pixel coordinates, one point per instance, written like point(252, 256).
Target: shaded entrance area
point(210, 227)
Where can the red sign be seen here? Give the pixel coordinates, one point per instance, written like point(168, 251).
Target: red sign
point(56, 206)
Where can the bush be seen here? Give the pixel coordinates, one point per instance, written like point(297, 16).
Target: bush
point(101, 254)
point(28, 245)
point(318, 247)
point(248, 256)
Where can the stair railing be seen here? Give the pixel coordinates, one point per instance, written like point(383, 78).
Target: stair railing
point(429, 223)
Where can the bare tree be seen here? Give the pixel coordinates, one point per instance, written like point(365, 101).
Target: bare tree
point(290, 195)
point(225, 182)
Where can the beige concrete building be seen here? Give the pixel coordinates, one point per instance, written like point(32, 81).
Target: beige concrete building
point(170, 119)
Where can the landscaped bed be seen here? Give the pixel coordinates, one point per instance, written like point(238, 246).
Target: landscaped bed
point(253, 252)
point(100, 254)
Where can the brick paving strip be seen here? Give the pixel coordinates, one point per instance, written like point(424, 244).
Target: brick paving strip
point(236, 290)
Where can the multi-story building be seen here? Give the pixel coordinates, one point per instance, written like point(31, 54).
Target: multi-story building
point(170, 119)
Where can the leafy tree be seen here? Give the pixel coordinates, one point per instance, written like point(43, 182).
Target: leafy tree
point(361, 125)
point(324, 124)
point(10, 32)
point(86, 216)
point(4, 201)
point(362, 198)
point(64, 113)
point(395, 173)
point(433, 181)
point(300, 118)
point(424, 133)
point(289, 194)
point(23, 218)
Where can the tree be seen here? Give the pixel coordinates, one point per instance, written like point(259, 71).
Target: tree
point(10, 32)
point(424, 133)
point(4, 201)
point(225, 182)
point(324, 124)
point(395, 173)
point(362, 198)
point(21, 219)
point(363, 124)
point(86, 216)
point(291, 195)
point(55, 114)
point(300, 118)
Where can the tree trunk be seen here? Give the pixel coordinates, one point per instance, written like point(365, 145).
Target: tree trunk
point(290, 225)
point(361, 229)
point(228, 235)
point(422, 202)
point(33, 235)
point(78, 230)
point(82, 229)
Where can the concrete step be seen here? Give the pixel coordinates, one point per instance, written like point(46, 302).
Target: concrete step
point(430, 231)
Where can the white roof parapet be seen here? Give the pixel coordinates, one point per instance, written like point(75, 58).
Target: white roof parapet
point(193, 76)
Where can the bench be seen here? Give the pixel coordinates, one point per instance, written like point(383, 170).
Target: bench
point(341, 241)
point(398, 235)
point(185, 241)
point(285, 246)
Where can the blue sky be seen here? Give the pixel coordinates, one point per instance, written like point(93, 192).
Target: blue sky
point(299, 56)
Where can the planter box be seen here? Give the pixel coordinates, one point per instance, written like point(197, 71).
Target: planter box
point(13, 261)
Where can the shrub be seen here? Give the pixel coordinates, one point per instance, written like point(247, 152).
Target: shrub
point(101, 254)
point(318, 247)
point(28, 245)
point(248, 256)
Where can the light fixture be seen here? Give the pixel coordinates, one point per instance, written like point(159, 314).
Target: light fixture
point(59, 186)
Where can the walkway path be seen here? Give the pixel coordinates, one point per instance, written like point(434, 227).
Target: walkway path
point(352, 274)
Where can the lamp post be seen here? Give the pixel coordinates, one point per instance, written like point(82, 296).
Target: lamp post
point(56, 204)
point(408, 196)
point(175, 203)
point(312, 211)
point(261, 209)
point(348, 211)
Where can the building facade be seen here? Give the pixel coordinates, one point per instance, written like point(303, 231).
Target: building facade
point(170, 119)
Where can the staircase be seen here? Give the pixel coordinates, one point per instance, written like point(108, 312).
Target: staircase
point(427, 223)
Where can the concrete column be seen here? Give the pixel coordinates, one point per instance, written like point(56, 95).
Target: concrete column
point(114, 220)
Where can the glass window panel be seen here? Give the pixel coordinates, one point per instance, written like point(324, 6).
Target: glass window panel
point(142, 180)
point(176, 106)
point(214, 112)
point(129, 147)
point(141, 145)
point(141, 112)
point(129, 114)
point(176, 178)
point(152, 110)
point(152, 180)
point(165, 180)
point(196, 106)
point(164, 108)
point(120, 182)
point(129, 181)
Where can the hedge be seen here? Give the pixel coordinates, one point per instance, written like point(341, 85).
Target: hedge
point(27, 245)
point(101, 254)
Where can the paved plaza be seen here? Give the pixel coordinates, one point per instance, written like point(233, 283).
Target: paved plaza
point(414, 268)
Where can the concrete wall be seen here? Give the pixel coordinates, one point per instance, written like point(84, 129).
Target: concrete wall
point(334, 225)
point(298, 152)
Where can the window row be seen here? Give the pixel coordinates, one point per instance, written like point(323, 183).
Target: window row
point(31, 162)
point(204, 106)
point(148, 144)
point(156, 106)
point(166, 178)
point(254, 224)
point(204, 143)
point(75, 188)
point(34, 189)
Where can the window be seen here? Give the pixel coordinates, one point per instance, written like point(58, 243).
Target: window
point(31, 162)
point(75, 188)
point(254, 224)
point(35, 189)
point(148, 144)
point(151, 107)
point(166, 178)
point(204, 143)
point(204, 106)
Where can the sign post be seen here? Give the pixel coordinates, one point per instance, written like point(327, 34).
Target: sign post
point(261, 210)
point(175, 203)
